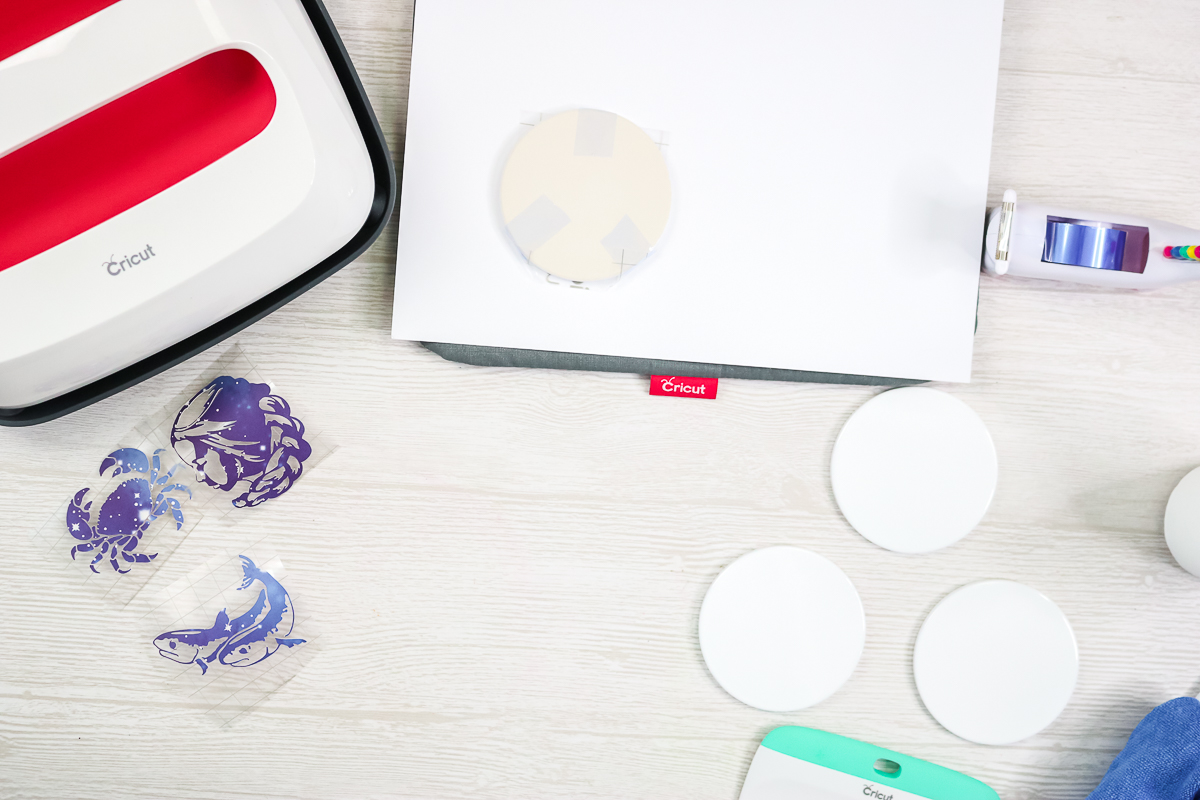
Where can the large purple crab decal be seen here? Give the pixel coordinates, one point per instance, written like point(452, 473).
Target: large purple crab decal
point(127, 512)
point(242, 439)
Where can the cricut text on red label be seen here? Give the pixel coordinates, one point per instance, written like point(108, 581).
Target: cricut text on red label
point(676, 386)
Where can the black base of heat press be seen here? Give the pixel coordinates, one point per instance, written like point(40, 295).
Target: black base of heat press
point(549, 359)
point(381, 211)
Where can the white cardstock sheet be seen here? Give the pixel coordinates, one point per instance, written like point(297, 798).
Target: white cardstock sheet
point(828, 166)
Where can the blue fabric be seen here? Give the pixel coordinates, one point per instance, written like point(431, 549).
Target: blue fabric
point(1161, 760)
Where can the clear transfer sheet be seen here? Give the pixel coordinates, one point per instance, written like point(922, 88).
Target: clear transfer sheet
point(242, 442)
point(232, 632)
point(228, 443)
point(117, 527)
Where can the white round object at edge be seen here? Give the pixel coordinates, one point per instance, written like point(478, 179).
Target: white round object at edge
point(782, 628)
point(995, 662)
point(914, 470)
point(1181, 523)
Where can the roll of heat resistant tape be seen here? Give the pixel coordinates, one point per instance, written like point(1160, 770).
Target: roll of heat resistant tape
point(585, 195)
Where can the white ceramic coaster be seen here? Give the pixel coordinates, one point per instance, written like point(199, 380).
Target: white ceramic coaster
point(1182, 522)
point(914, 470)
point(585, 195)
point(782, 628)
point(995, 662)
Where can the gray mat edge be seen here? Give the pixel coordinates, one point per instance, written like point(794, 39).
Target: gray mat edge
point(481, 356)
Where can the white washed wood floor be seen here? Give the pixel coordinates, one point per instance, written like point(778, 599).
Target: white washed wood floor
point(513, 560)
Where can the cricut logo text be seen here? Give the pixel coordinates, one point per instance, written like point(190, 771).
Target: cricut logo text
point(871, 791)
point(116, 267)
point(673, 385)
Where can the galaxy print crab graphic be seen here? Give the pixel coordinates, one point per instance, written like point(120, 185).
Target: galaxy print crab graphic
point(126, 514)
point(242, 439)
point(243, 641)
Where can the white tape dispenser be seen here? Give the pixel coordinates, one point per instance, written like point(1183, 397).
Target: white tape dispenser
point(1063, 244)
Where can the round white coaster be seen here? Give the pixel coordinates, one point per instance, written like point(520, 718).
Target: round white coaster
point(914, 470)
point(995, 662)
point(1182, 522)
point(782, 628)
point(585, 195)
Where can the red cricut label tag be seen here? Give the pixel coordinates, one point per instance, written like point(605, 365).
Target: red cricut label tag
point(675, 386)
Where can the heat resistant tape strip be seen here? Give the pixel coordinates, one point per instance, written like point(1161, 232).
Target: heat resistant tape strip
point(537, 224)
point(595, 133)
point(626, 244)
point(1084, 245)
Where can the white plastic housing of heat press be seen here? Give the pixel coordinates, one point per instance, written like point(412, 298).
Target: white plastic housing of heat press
point(224, 237)
point(1028, 238)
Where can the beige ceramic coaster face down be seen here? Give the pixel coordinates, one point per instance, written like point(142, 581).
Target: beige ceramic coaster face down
point(585, 195)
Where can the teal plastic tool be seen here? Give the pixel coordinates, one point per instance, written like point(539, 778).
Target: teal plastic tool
point(803, 762)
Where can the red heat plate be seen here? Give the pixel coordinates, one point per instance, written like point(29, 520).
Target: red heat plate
point(128, 150)
point(24, 23)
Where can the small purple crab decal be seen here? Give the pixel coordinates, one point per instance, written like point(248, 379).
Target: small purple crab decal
point(127, 512)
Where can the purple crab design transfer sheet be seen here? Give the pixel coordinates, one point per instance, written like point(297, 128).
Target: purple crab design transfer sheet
point(229, 442)
point(232, 632)
point(123, 521)
point(242, 442)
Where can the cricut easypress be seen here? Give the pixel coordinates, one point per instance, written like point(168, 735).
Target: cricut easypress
point(170, 172)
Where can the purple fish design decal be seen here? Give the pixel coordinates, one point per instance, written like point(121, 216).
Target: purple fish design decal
point(241, 642)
